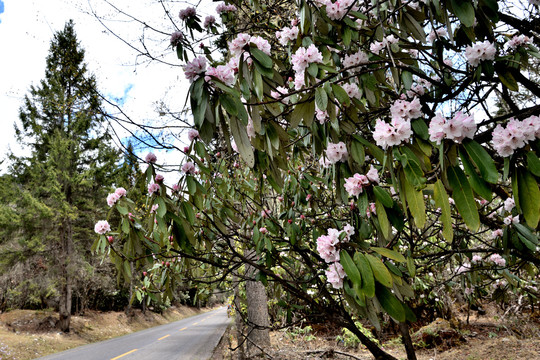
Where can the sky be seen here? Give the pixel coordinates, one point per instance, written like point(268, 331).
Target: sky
point(27, 27)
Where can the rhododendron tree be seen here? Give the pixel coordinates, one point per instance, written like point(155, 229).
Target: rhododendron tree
point(408, 150)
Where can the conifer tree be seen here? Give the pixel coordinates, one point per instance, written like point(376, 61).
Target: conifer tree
point(71, 162)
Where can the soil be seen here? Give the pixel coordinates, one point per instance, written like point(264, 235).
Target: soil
point(28, 334)
point(486, 337)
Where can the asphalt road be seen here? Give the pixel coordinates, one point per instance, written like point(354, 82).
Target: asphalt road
point(193, 338)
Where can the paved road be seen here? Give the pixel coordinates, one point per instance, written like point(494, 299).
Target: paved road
point(193, 338)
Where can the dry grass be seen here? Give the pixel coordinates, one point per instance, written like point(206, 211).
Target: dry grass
point(24, 334)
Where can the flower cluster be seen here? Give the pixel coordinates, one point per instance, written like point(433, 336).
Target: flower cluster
point(224, 8)
point(355, 59)
point(115, 196)
point(301, 60)
point(458, 128)
point(150, 158)
point(407, 110)
point(278, 94)
point(355, 184)
point(192, 134)
point(509, 204)
point(336, 152)
point(153, 188)
point(224, 73)
point(209, 21)
point(194, 68)
point(393, 133)
point(377, 46)
point(102, 227)
point(326, 247)
point(476, 259)
point(287, 34)
point(436, 34)
point(187, 13)
point(479, 52)
point(515, 135)
point(497, 260)
point(238, 44)
point(176, 38)
point(517, 41)
point(188, 168)
point(340, 8)
point(352, 90)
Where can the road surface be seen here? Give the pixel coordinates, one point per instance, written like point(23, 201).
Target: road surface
point(193, 338)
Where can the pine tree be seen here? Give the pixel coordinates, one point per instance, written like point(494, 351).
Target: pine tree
point(71, 163)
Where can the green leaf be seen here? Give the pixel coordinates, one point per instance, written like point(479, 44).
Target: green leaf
point(479, 185)
point(188, 212)
point(241, 139)
point(528, 234)
point(303, 111)
point(357, 152)
point(482, 161)
point(383, 196)
point(341, 95)
point(529, 197)
point(533, 163)
point(321, 98)
point(410, 266)
point(350, 268)
point(191, 185)
point(228, 104)
point(464, 10)
point(441, 201)
point(508, 80)
point(380, 271)
point(386, 228)
point(390, 304)
point(420, 128)
point(368, 281)
point(463, 197)
point(263, 59)
point(415, 29)
point(391, 254)
point(415, 203)
point(162, 208)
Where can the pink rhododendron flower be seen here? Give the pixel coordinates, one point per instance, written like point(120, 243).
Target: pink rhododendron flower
point(476, 259)
point(209, 21)
point(321, 116)
point(159, 178)
point(406, 109)
point(153, 188)
point(176, 38)
point(150, 158)
point(355, 59)
point(102, 227)
point(112, 199)
point(398, 131)
point(479, 52)
point(192, 134)
point(287, 34)
point(340, 8)
point(335, 275)
point(517, 41)
point(463, 268)
point(305, 56)
point(456, 129)
point(371, 209)
point(223, 73)
point(336, 152)
point(193, 69)
point(516, 135)
point(497, 260)
point(224, 8)
point(326, 248)
point(439, 33)
point(355, 184)
point(349, 230)
point(154, 208)
point(497, 233)
point(509, 204)
point(263, 230)
point(187, 13)
point(120, 191)
point(352, 90)
point(188, 168)
point(176, 188)
point(279, 94)
point(373, 174)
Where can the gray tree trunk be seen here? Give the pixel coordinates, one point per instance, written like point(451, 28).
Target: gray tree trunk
point(257, 304)
point(66, 292)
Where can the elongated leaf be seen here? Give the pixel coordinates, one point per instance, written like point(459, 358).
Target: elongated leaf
point(482, 161)
point(479, 185)
point(228, 104)
point(386, 228)
point(441, 200)
point(350, 268)
point(464, 10)
point(162, 208)
point(415, 203)
point(463, 197)
point(391, 254)
point(357, 152)
point(261, 57)
point(390, 304)
point(523, 230)
point(321, 98)
point(383, 196)
point(188, 212)
point(380, 271)
point(341, 95)
point(241, 139)
point(529, 197)
point(533, 163)
point(368, 281)
point(305, 111)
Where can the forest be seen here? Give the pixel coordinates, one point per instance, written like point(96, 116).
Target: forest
point(361, 168)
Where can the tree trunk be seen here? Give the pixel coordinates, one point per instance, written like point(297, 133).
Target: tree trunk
point(67, 286)
point(257, 305)
point(238, 324)
point(407, 341)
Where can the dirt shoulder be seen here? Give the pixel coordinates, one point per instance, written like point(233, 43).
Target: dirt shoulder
point(28, 334)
